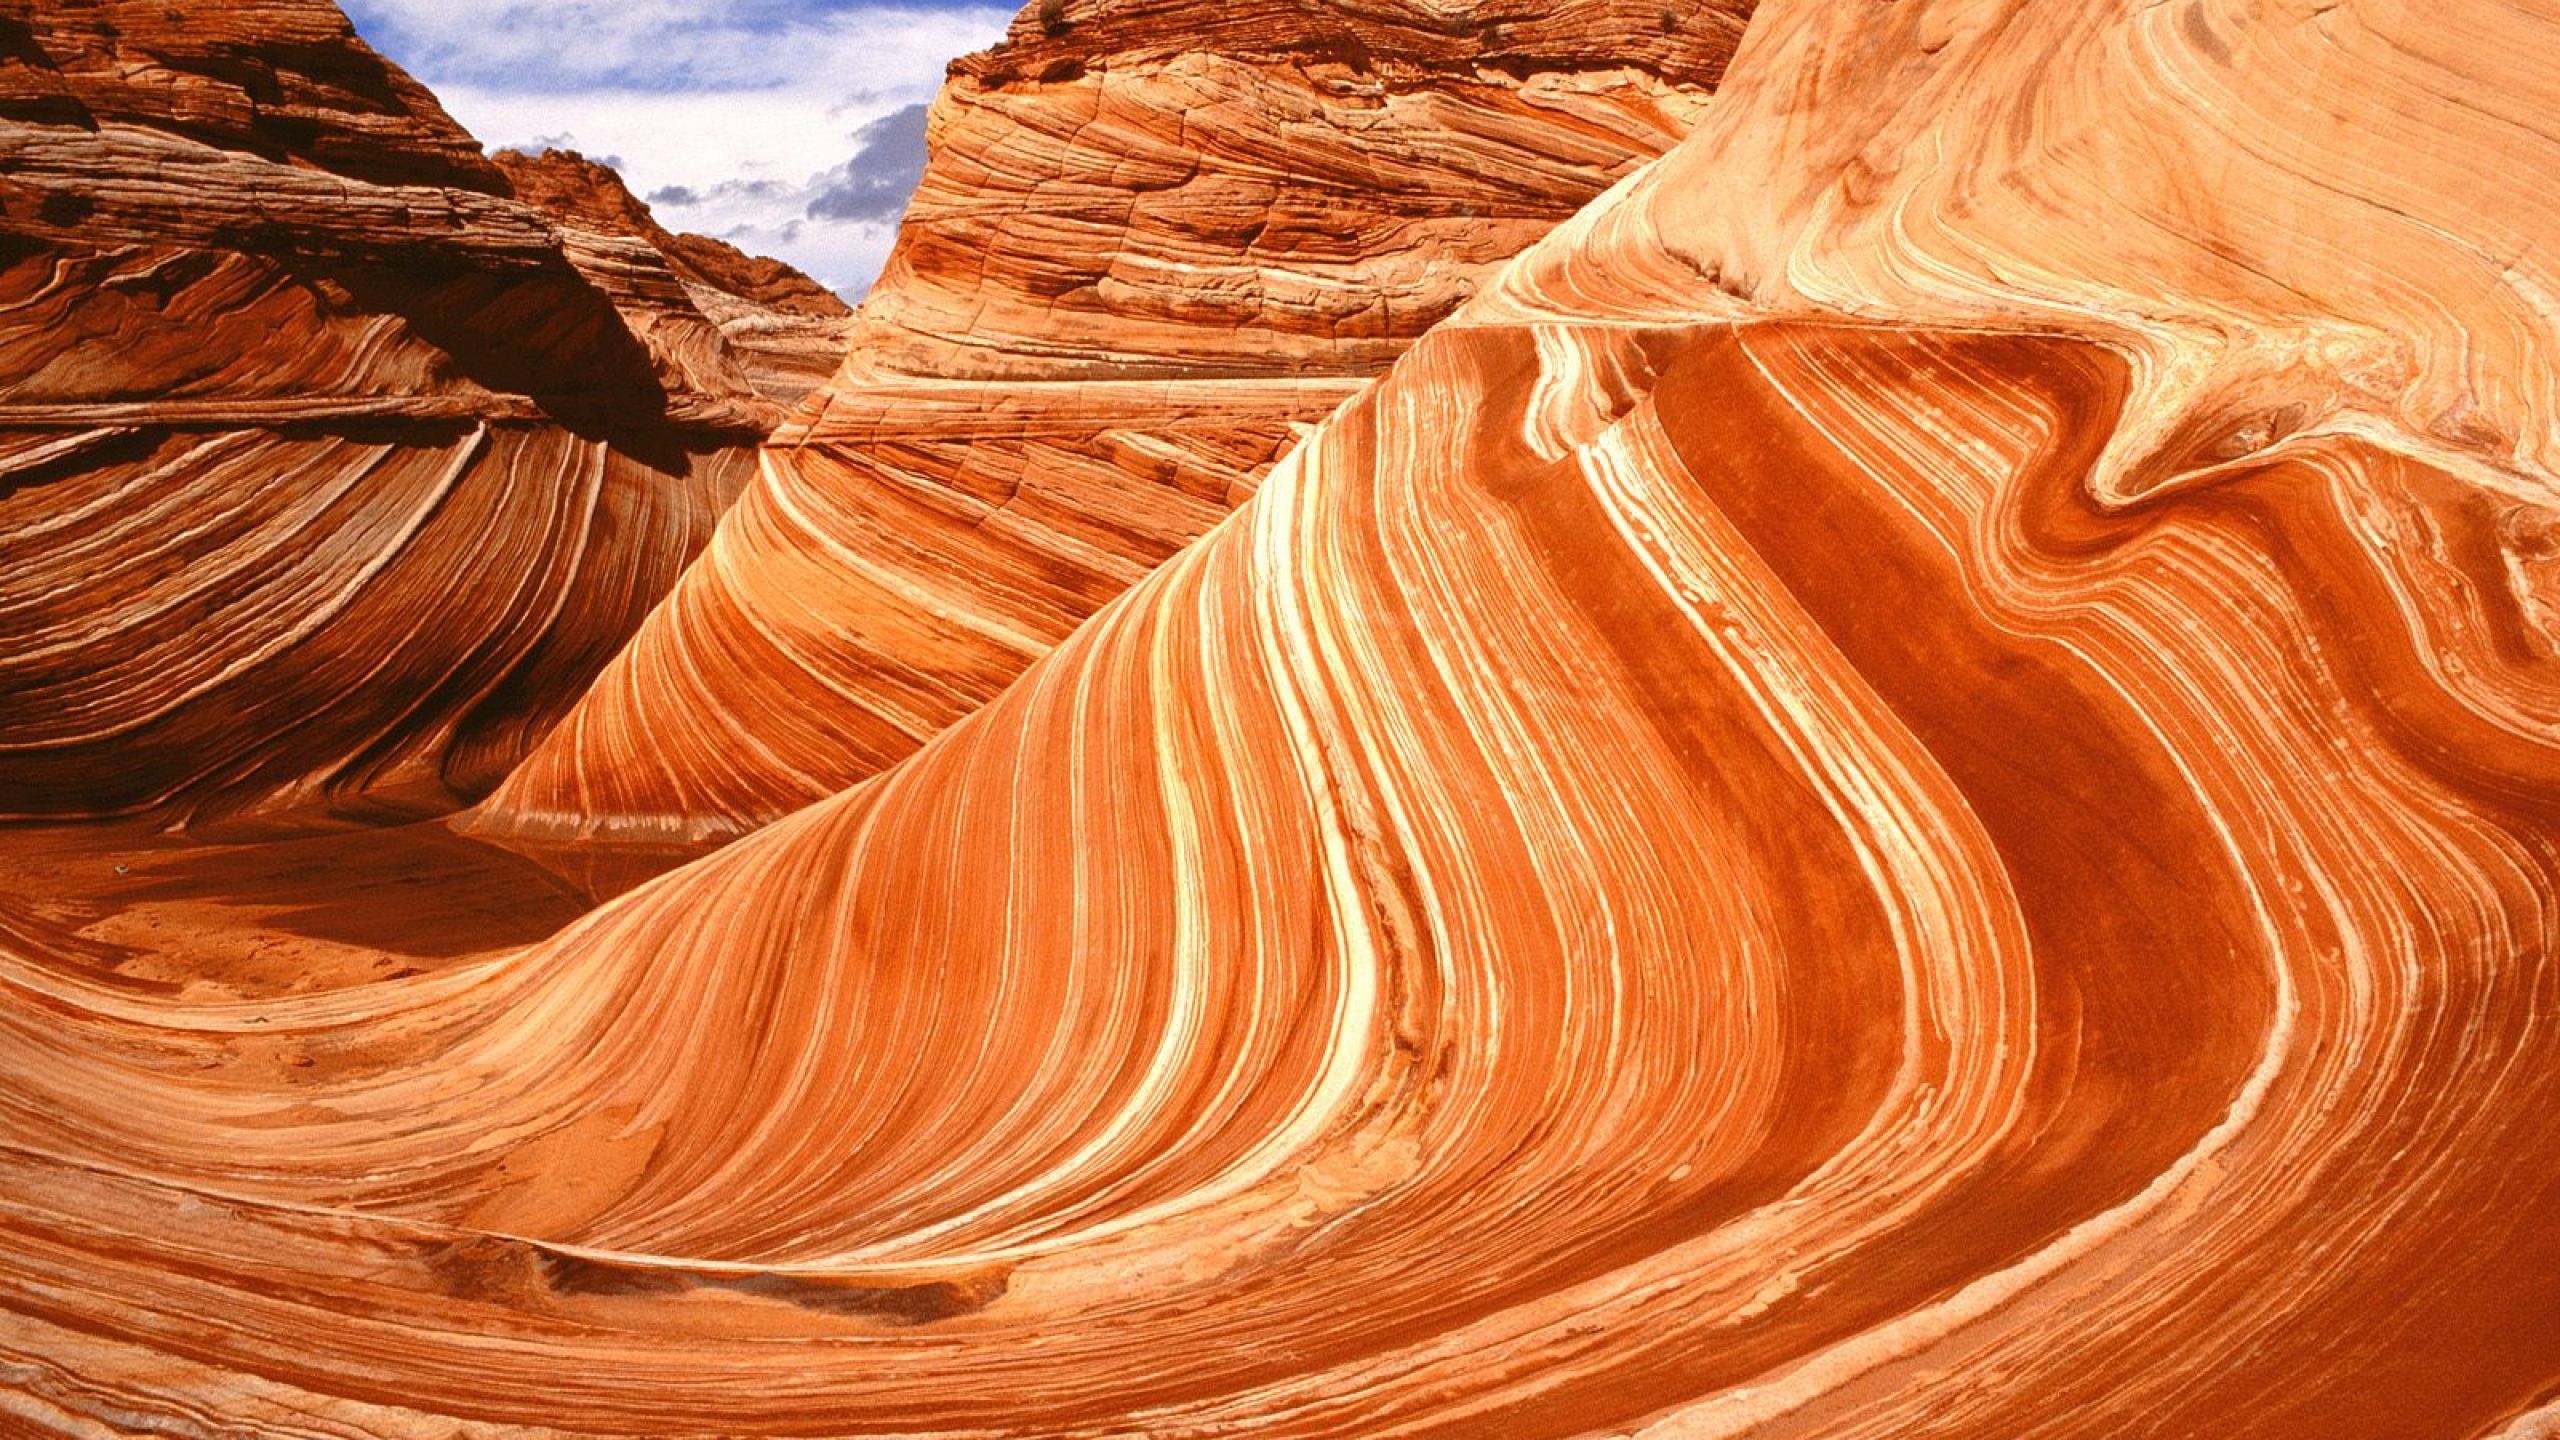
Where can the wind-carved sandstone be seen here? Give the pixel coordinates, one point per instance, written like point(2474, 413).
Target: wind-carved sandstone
point(1906, 784)
point(330, 472)
point(783, 330)
point(1152, 245)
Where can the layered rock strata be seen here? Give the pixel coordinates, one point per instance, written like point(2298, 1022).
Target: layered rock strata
point(784, 330)
point(331, 472)
point(1152, 246)
point(1909, 785)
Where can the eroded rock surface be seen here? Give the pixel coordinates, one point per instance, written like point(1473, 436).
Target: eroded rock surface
point(1152, 245)
point(1908, 784)
point(785, 330)
point(330, 471)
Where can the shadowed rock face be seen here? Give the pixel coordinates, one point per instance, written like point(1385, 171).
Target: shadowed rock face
point(783, 329)
point(1152, 245)
point(575, 190)
point(330, 471)
point(1907, 784)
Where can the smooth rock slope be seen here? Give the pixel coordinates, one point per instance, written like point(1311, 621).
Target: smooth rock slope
point(1907, 784)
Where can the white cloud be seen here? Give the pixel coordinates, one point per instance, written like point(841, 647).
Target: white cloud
point(864, 45)
point(751, 110)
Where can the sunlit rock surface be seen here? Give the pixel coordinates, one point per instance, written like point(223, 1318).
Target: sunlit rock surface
point(1906, 786)
point(1152, 245)
point(329, 473)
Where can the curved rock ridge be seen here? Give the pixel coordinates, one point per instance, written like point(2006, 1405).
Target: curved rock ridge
point(363, 616)
point(1151, 246)
point(1715, 855)
point(331, 471)
point(2378, 279)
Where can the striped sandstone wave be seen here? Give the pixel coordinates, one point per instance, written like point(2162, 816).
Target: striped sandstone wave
point(331, 471)
point(1906, 785)
point(1152, 246)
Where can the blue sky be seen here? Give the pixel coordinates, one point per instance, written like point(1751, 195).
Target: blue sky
point(787, 127)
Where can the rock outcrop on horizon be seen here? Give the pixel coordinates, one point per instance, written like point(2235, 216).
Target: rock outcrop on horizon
point(784, 330)
point(1906, 784)
point(330, 471)
point(1152, 245)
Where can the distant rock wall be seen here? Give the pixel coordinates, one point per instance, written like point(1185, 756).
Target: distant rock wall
point(784, 330)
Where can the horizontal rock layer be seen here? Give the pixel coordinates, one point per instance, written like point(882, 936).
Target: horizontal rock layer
point(1148, 243)
point(280, 80)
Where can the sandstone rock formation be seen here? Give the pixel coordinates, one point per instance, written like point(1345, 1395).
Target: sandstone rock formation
point(784, 329)
point(1152, 245)
point(330, 473)
point(1907, 785)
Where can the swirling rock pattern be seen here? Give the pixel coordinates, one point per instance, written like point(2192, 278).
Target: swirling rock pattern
point(1802, 824)
point(1151, 247)
point(330, 471)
